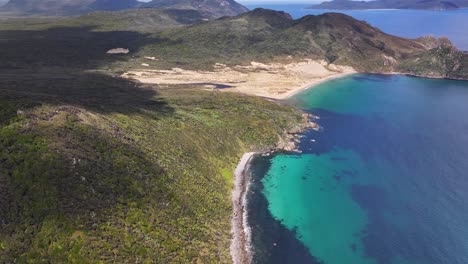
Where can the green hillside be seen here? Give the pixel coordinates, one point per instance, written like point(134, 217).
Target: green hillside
point(99, 169)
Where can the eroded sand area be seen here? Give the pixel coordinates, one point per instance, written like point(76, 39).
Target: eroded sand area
point(275, 80)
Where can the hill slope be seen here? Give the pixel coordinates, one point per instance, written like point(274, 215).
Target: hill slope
point(97, 169)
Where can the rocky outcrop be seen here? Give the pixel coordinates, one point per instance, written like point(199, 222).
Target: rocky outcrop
point(290, 139)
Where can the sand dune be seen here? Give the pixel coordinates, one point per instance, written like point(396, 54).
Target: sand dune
point(277, 81)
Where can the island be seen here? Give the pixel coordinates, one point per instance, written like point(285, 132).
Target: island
point(391, 4)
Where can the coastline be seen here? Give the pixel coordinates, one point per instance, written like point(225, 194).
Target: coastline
point(240, 242)
point(314, 83)
point(240, 247)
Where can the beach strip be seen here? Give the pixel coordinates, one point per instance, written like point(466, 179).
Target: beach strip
point(240, 244)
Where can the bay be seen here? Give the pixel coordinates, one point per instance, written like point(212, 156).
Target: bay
point(384, 181)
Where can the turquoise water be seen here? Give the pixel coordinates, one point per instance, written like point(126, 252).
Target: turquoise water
point(384, 181)
point(404, 23)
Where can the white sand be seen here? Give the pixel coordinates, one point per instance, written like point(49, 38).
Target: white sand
point(277, 81)
point(240, 244)
point(118, 51)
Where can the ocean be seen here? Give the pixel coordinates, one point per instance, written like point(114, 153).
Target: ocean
point(385, 179)
point(404, 23)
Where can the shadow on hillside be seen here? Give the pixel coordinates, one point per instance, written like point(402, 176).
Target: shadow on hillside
point(69, 47)
point(93, 91)
point(52, 66)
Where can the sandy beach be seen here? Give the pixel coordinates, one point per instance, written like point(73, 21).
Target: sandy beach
point(240, 244)
point(276, 81)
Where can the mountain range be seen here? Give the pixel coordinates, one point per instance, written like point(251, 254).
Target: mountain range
point(216, 8)
point(392, 4)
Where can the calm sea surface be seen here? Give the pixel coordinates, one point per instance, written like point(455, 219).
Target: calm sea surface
point(404, 23)
point(384, 181)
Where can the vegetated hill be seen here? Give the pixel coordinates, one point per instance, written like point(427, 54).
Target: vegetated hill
point(267, 35)
point(392, 4)
point(96, 169)
point(216, 8)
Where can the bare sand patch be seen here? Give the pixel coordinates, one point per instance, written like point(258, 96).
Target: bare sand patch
point(118, 51)
point(277, 81)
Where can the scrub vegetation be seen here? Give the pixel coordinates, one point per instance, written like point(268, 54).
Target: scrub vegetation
point(128, 174)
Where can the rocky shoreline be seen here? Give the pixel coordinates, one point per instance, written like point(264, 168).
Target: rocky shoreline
point(241, 233)
point(290, 140)
point(240, 244)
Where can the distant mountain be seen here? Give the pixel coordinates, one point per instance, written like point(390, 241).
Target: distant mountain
point(217, 8)
point(392, 4)
point(66, 7)
point(113, 5)
point(210, 8)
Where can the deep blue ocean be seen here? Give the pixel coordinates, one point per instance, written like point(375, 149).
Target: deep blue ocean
point(384, 181)
point(405, 23)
